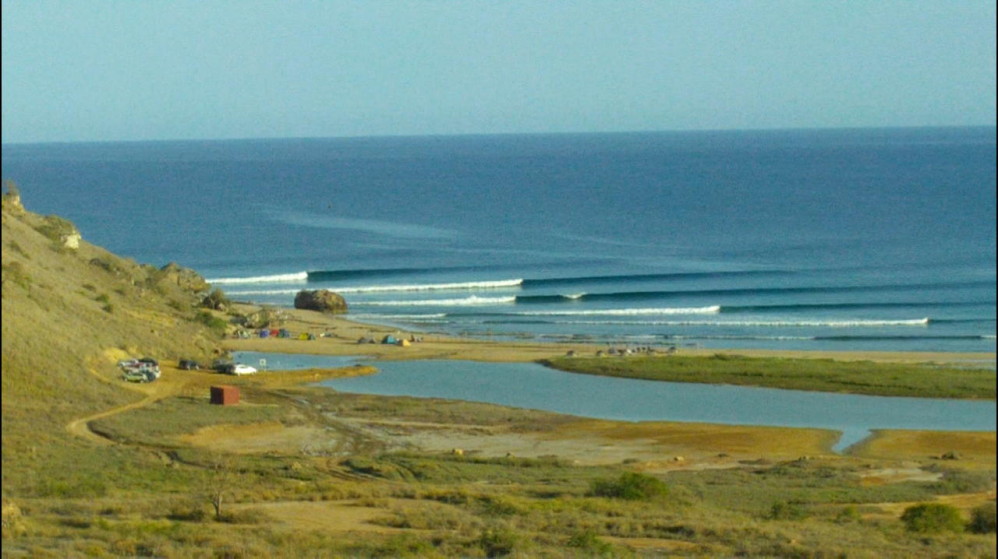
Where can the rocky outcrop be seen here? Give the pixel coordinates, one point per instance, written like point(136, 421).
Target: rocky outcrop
point(12, 199)
point(184, 277)
point(320, 300)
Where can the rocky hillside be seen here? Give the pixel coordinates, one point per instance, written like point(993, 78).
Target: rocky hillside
point(71, 310)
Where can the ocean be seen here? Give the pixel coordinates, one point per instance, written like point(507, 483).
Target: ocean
point(852, 239)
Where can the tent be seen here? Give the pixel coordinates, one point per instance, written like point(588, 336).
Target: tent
point(389, 339)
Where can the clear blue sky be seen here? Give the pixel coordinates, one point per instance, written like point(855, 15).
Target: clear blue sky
point(123, 70)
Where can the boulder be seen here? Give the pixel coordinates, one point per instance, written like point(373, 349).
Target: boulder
point(184, 277)
point(321, 300)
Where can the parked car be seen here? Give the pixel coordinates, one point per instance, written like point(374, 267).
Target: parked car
point(190, 365)
point(240, 369)
point(138, 375)
point(221, 365)
point(149, 361)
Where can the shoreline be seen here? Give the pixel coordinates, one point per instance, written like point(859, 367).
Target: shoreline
point(338, 335)
point(609, 441)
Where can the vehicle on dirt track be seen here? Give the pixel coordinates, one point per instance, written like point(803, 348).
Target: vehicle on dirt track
point(241, 369)
point(139, 375)
point(190, 365)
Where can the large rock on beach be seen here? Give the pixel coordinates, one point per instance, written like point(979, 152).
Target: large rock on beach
point(322, 300)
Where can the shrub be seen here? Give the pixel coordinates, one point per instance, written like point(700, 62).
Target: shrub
point(17, 248)
point(848, 514)
point(631, 486)
point(16, 273)
point(218, 325)
point(216, 300)
point(932, 518)
point(55, 227)
point(588, 543)
point(982, 519)
point(786, 510)
point(497, 542)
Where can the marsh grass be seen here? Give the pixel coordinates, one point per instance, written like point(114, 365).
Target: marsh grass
point(857, 377)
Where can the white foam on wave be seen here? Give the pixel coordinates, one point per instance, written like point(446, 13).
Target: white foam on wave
point(241, 293)
point(297, 277)
point(498, 284)
point(434, 316)
point(467, 301)
point(575, 295)
point(714, 309)
point(768, 323)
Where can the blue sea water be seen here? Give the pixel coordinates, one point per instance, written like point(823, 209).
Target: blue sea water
point(860, 239)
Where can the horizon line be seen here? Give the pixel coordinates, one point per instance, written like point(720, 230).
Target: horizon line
point(487, 134)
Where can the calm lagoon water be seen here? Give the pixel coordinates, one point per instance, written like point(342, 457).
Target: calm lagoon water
point(528, 385)
point(292, 361)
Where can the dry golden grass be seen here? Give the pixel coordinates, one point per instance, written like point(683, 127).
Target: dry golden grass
point(976, 449)
point(699, 439)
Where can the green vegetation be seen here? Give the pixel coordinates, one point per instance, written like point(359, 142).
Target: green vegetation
point(55, 228)
point(631, 486)
point(216, 300)
point(826, 375)
point(932, 518)
point(982, 519)
point(589, 544)
point(217, 324)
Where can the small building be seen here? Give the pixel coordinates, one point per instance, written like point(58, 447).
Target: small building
point(224, 395)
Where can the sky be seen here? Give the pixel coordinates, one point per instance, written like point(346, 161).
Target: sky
point(105, 70)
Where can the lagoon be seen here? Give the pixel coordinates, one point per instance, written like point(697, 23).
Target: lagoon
point(529, 385)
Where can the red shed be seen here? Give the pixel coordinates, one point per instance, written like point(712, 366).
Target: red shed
point(224, 395)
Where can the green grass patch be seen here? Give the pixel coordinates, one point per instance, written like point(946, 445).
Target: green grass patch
point(823, 375)
point(156, 423)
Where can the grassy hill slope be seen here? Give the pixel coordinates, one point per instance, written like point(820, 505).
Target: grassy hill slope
point(69, 313)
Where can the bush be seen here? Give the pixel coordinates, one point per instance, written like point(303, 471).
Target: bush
point(216, 300)
point(982, 519)
point(631, 486)
point(786, 510)
point(55, 227)
point(932, 518)
point(218, 325)
point(497, 542)
point(588, 543)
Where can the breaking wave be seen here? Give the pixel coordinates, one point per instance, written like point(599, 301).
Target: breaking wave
point(474, 300)
point(500, 284)
point(771, 323)
point(297, 277)
point(714, 309)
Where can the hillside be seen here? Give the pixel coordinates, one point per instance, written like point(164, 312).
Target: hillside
point(70, 311)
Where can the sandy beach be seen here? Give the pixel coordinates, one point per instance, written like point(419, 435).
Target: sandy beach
point(338, 335)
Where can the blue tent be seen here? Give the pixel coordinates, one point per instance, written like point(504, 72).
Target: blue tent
point(389, 339)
